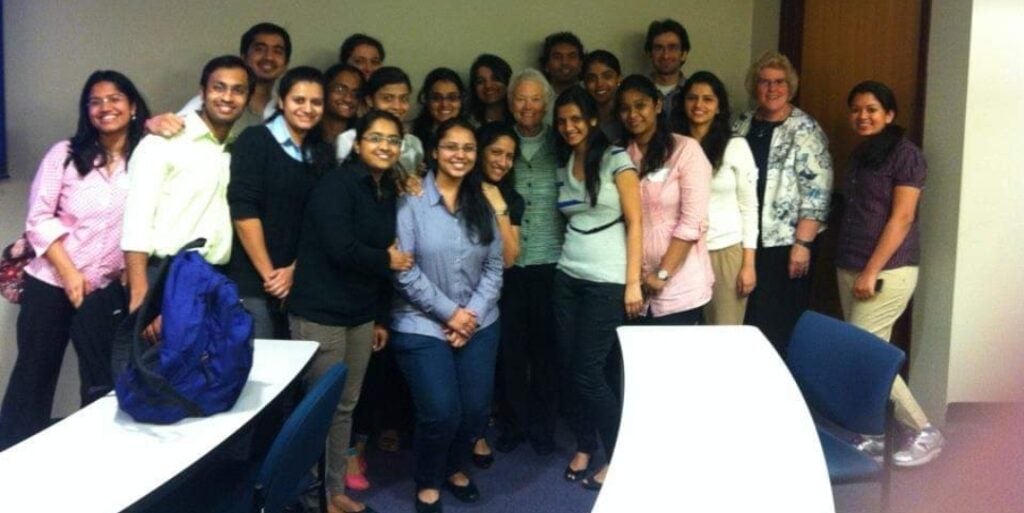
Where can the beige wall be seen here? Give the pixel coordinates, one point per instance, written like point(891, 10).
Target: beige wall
point(969, 305)
point(51, 46)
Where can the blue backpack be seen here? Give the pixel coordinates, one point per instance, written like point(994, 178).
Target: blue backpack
point(202, 361)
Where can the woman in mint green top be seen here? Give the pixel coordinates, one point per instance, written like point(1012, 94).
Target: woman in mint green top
point(597, 284)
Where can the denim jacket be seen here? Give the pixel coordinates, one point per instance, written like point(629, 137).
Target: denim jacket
point(799, 178)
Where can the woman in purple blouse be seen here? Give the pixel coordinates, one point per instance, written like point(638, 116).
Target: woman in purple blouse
point(879, 245)
point(73, 287)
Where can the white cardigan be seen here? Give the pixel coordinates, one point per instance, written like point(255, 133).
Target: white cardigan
point(732, 211)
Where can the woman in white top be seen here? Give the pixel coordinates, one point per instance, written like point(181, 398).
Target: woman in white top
point(732, 214)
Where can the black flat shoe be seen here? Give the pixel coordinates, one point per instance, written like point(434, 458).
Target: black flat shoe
point(483, 460)
point(468, 493)
point(591, 484)
point(423, 507)
point(574, 475)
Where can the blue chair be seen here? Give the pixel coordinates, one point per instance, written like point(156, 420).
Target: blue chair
point(244, 487)
point(846, 375)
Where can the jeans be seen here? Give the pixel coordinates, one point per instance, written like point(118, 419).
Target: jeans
point(528, 353)
point(451, 390)
point(45, 323)
point(586, 315)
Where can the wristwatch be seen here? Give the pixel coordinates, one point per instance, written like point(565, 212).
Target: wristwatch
point(662, 275)
point(804, 243)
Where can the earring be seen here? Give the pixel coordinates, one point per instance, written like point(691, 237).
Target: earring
point(133, 116)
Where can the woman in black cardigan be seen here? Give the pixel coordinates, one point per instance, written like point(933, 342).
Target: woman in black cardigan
point(342, 289)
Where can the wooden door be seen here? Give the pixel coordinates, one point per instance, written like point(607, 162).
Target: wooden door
point(835, 44)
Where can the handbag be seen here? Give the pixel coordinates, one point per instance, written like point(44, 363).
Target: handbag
point(12, 268)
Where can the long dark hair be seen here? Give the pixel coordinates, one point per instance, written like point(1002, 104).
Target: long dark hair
point(874, 151)
point(423, 125)
point(85, 150)
point(502, 73)
point(485, 137)
point(315, 151)
point(720, 131)
point(477, 215)
point(596, 141)
point(662, 144)
point(395, 173)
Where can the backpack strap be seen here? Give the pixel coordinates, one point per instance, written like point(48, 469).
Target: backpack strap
point(601, 228)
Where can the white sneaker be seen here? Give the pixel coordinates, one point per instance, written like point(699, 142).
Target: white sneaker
point(922, 448)
point(873, 446)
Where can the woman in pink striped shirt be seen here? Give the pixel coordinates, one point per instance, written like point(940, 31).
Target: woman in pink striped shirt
point(675, 187)
point(73, 287)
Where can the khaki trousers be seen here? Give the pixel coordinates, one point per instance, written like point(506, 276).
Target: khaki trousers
point(726, 306)
point(352, 346)
point(878, 315)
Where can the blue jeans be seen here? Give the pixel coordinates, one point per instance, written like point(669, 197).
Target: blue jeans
point(586, 315)
point(451, 389)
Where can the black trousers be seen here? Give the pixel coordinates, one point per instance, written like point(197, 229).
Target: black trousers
point(528, 356)
point(778, 300)
point(586, 315)
point(45, 323)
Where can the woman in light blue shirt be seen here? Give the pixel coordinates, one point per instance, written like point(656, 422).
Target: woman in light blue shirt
point(445, 320)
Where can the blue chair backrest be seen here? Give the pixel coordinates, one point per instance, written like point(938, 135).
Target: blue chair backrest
point(301, 441)
point(844, 372)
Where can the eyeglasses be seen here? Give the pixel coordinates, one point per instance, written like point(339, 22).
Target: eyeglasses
point(769, 83)
point(96, 102)
point(345, 90)
point(376, 138)
point(450, 97)
point(453, 147)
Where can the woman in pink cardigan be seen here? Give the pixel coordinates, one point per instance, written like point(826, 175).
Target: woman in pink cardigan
point(675, 188)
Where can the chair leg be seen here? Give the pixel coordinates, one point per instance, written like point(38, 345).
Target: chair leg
point(321, 469)
point(890, 442)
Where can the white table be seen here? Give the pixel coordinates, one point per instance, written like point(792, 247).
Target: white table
point(98, 460)
point(712, 422)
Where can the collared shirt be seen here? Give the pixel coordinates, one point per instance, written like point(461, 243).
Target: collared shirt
point(543, 229)
point(674, 202)
point(452, 269)
point(83, 212)
point(178, 193)
point(869, 195)
point(595, 236)
point(410, 156)
point(279, 129)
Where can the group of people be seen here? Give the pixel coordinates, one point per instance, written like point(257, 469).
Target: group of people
point(519, 222)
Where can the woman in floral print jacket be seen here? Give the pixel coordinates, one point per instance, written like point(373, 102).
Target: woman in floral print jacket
point(794, 188)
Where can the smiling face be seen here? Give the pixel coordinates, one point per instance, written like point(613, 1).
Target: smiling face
point(639, 113)
point(302, 107)
point(868, 116)
point(393, 98)
point(266, 57)
point(366, 58)
point(225, 96)
point(528, 105)
point(667, 54)
point(700, 104)
point(564, 63)
point(572, 125)
point(444, 101)
point(379, 145)
point(601, 81)
point(109, 109)
point(498, 158)
point(456, 153)
point(488, 89)
point(772, 92)
point(343, 94)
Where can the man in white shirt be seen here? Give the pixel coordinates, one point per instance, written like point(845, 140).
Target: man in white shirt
point(177, 188)
point(266, 49)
